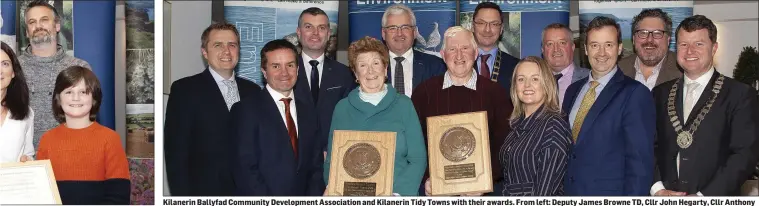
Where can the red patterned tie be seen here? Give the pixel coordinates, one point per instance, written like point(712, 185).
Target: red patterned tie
point(484, 70)
point(291, 126)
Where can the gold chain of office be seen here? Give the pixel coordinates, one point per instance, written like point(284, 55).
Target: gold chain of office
point(685, 137)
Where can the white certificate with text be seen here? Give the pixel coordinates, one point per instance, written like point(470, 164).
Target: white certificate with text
point(30, 182)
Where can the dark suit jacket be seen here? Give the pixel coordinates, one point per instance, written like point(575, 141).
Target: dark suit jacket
point(425, 66)
point(265, 162)
point(336, 82)
point(669, 69)
point(197, 136)
point(725, 146)
point(613, 155)
point(508, 64)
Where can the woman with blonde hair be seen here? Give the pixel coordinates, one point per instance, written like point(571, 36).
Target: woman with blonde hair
point(534, 154)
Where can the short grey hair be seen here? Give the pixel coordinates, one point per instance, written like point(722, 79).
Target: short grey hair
point(453, 31)
point(396, 9)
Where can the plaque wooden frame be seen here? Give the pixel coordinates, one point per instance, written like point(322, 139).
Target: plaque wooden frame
point(482, 180)
point(343, 140)
point(50, 190)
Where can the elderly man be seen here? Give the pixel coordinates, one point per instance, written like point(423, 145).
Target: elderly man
point(612, 118)
point(653, 63)
point(461, 90)
point(42, 60)
point(408, 68)
point(197, 130)
point(707, 123)
point(559, 51)
point(491, 63)
point(322, 82)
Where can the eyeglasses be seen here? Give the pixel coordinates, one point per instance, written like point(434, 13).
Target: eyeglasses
point(395, 28)
point(644, 34)
point(492, 24)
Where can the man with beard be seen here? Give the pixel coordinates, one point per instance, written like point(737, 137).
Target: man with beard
point(559, 51)
point(408, 68)
point(322, 82)
point(492, 64)
point(197, 130)
point(613, 123)
point(461, 90)
point(708, 124)
point(653, 63)
point(42, 60)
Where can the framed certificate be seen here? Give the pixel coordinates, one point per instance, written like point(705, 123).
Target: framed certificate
point(362, 163)
point(459, 154)
point(31, 182)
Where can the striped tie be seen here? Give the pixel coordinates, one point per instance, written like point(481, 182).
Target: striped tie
point(587, 102)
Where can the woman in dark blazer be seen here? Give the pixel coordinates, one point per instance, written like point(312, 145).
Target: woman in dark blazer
point(534, 154)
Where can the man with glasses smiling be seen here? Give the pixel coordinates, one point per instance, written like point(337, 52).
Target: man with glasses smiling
point(407, 68)
point(487, 28)
point(653, 63)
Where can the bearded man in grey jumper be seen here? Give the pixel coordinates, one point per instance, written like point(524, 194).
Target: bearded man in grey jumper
point(42, 60)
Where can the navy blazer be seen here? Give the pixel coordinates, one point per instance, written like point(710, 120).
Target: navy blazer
point(425, 67)
point(614, 152)
point(508, 64)
point(265, 162)
point(197, 137)
point(336, 83)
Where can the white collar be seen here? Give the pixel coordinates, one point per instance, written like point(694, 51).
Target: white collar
point(277, 96)
point(307, 59)
point(217, 77)
point(703, 80)
point(406, 56)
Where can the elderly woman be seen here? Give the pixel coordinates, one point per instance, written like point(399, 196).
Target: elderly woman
point(534, 155)
point(376, 106)
point(16, 118)
point(461, 90)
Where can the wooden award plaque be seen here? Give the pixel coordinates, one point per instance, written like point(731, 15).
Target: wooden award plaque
point(459, 154)
point(362, 163)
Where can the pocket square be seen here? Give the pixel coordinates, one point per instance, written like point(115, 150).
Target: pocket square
point(336, 87)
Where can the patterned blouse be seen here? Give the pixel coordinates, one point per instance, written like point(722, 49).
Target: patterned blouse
point(534, 155)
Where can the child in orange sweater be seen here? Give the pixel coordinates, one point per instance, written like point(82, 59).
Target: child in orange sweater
point(88, 161)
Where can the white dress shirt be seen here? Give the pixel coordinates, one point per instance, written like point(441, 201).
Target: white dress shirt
point(319, 67)
point(408, 71)
point(703, 80)
point(223, 87)
point(651, 81)
point(281, 105)
point(16, 138)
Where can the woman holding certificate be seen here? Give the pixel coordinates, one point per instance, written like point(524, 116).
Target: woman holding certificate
point(16, 118)
point(89, 163)
point(534, 154)
point(377, 106)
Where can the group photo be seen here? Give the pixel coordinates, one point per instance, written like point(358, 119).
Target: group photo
point(407, 102)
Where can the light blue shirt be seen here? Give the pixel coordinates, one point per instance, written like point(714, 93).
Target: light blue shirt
point(491, 60)
point(603, 81)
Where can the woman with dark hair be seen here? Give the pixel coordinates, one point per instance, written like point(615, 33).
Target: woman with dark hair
point(16, 118)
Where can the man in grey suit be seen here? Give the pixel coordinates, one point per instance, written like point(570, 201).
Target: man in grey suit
point(558, 49)
point(653, 63)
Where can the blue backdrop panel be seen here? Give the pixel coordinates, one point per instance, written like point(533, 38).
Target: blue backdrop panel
point(8, 23)
point(94, 30)
point(533, 30)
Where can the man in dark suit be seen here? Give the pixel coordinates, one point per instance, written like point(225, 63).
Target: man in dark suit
point(407, 68)
point(559, 51)
point(322, 82)
point(613, 133)
point(197, 118)
point(277, 150)
point(714, 146)
point(653, 63)
point(487, 27)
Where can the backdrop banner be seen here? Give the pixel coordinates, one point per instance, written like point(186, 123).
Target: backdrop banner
point(262, 21)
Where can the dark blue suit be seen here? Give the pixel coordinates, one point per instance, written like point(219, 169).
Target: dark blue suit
point(613, 155)
point(265, 162)
point(425, 67)
point(336, 82)
point(508, 64)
